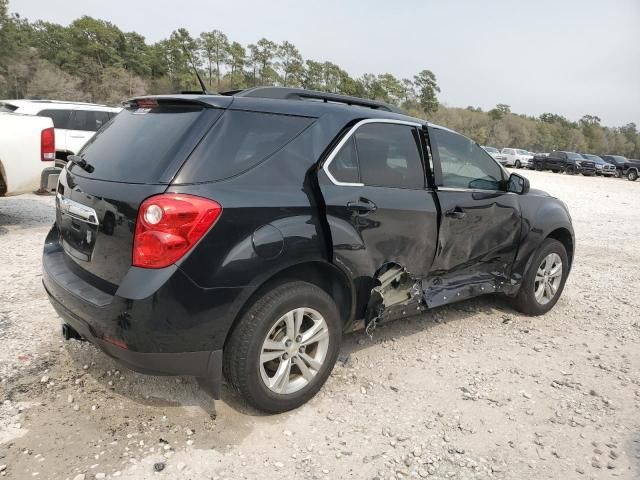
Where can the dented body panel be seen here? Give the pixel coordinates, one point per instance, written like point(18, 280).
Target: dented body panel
point(434, 246)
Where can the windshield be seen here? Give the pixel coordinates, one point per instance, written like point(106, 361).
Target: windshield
point(574, 156)
point(522, 152)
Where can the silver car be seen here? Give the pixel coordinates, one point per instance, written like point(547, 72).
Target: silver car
point(495, 153)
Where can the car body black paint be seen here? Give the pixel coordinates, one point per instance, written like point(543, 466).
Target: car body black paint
point(280, 214)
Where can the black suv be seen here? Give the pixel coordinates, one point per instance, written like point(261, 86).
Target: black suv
point(568, 162)
point(624, 167)
point(244, 233)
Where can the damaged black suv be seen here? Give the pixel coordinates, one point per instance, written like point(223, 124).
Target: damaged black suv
point(242, 234)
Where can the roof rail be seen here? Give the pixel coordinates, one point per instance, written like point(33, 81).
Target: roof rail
point(284, 93)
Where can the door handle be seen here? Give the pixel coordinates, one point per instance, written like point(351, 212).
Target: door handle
point(362, 206)
point(457, 212)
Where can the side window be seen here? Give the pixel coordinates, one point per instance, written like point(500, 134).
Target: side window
point(239, 141)
point(464, 164)
point(389, 156)
point(88, 120)
point(61, 118)
point(344, 166)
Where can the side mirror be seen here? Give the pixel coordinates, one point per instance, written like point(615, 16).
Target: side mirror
point(518, 184)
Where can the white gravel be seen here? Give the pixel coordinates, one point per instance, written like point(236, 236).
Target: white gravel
point(473, 390)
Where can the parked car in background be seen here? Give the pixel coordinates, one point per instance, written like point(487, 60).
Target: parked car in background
point(253, 229)
point(516, 157)
point(569, 162)
point(75, 123)
point(624, 167)
point(495, 153)
point(603, 168)
point(27, 154)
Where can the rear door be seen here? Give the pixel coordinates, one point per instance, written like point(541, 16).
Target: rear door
point(480, 222)
point(378, 207)
point(83, 125)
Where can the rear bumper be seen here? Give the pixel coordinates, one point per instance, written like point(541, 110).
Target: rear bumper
point(206, 364)
point(155, 321)
point(49, 179)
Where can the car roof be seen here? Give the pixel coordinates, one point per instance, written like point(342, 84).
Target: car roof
point(37, 105)
point(296, 101)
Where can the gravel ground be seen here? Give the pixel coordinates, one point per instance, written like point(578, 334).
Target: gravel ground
point(472, 390)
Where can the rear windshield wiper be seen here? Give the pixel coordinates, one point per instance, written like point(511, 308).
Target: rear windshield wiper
point(81, 162)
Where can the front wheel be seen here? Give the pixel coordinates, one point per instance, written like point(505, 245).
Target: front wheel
point(284, 347)
point(544, 281)
point(632, 175)
point(518, 164)
point(618, 174)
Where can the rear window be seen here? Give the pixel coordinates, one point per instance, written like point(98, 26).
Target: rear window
point(61, 118)
point(7, 107)
point(239, 141)
point(88, 120)
point(140, 145)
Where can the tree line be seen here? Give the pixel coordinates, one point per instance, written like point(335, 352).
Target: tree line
point(93, 60)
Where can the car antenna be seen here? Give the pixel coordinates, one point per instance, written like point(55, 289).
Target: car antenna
point(195, 70)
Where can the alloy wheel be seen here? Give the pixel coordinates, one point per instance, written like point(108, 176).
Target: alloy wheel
point(294, 350)
point(548, 278)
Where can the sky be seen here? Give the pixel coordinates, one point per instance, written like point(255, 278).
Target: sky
point(571, 57)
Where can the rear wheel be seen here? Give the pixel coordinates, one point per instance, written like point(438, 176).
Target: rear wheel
point(284, 348)
point(544, 281)
point(518, 164)
point(618, 174)
point(570, 170)
point(632, 175)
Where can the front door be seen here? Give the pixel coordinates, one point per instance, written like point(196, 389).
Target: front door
point(480, 221)
point(378, 208)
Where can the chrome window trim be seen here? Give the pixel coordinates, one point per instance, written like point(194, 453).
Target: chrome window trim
point(346, 138)
point(471, 190)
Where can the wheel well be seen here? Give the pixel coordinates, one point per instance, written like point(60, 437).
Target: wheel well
point(564, 236)
point(324, 275)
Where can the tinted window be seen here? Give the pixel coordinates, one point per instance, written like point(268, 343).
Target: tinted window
point(344, 166)
point(61, 118)
point(464, 164)
point(573, 156)
point(88, 120)
point(239, 141)
point(389, 156)
point(7, 107)
point(138, 145)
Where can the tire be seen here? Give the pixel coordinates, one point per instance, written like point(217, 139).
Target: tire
point(618, 174)
point(570, 170)
point(518, 164)
point(632, 175)
point(242, 353)
point(526, 301)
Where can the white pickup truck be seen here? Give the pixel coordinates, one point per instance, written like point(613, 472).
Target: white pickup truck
point(27, 154)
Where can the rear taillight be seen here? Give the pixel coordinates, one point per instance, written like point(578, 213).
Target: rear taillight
point(169, 225)
point(48, 145)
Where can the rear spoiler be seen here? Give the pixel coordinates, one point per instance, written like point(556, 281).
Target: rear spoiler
point(150, 101)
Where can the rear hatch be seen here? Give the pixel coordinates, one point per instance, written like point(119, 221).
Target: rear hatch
point(134, 156)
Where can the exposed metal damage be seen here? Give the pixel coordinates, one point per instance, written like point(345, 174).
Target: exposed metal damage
point(399, 294)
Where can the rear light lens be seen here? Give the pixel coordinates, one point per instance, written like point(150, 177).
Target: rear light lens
point(169, 225)
point(48, 145)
